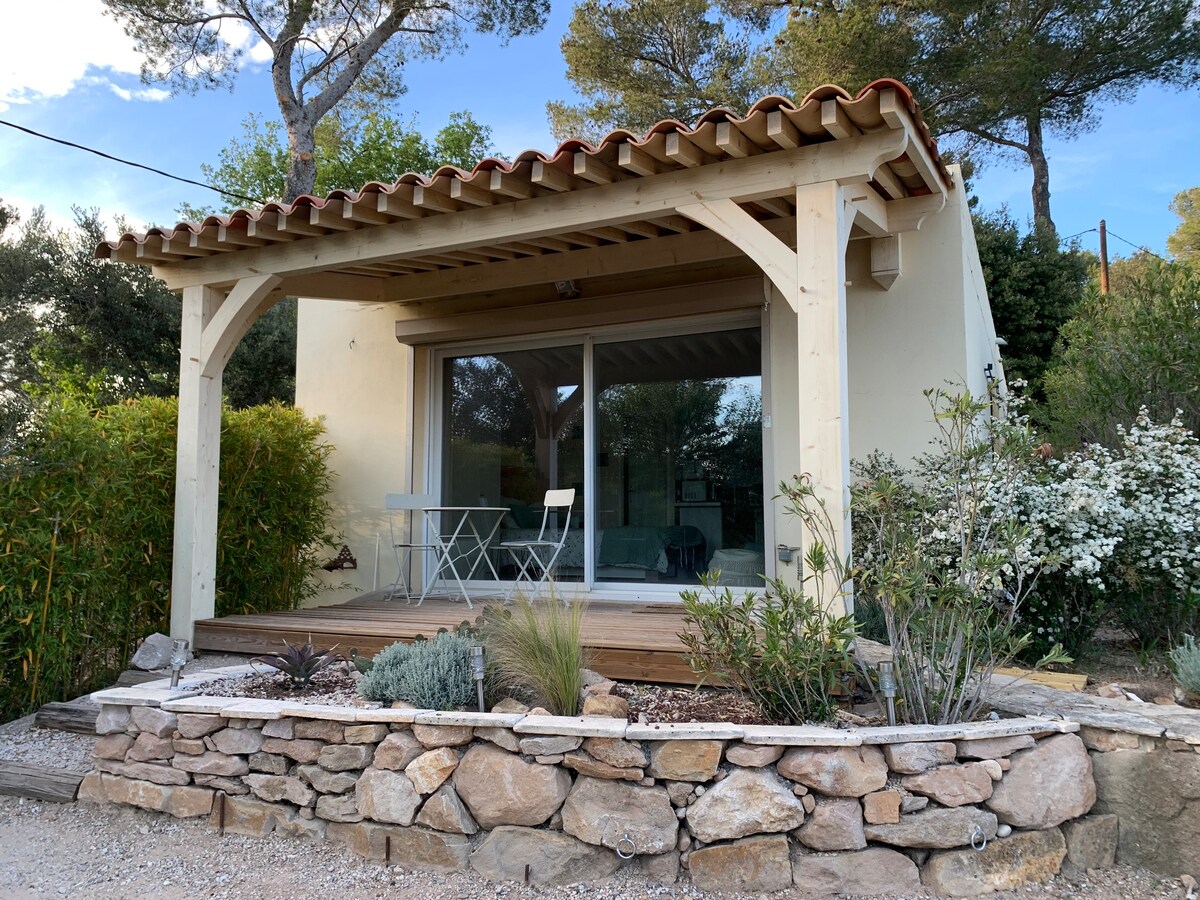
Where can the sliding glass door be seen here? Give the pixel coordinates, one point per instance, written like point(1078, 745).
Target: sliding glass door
point(675, 488)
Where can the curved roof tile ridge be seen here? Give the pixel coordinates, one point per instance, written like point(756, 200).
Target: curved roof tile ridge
point(569, 147)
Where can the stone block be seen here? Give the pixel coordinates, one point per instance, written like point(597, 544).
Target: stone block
point(270, 763)
point(91, 789)
point(197, 725)
point(112, 719)
point(1091, 843)
point(243, 815)
point(952, 785)
point(549, 745)
point(338, 808)
point(429, 770)
point(749, 801)
point(1104, 741)
point(386, 796)
point(320, 730)
point(147, 771)
point(935, 828)
point(188, 802)
point(154, 720)
point(112, 746)
point(277, 788)
point(300, 751)
point(586, 765)
point(328, 782)
point(994, 748)
point(661, 869)
point(616, 752)
point(238, 740)
point(882, 807)
point(605, 706)
point(212, 763)
point(551, 858)
point(445, 811)
point(836, 771)
point(685, 760)
point(232, 786)
point(1005, 864)
point(500, 788)
point(343, 757)
point(365, 734)
point(149, 746)
point(836, 823)
point(433, 736)
point(753, 755)
point(1046, 785)
point(918, 757)
point(397, 750)
point(864, 873)
point(750, 864)
point(284, 729)
point(603, 812)
point(188, 746)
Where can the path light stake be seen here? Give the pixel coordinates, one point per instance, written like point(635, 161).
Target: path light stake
point(887, 687)
point(387, 850)
point(478, 670)
point(179, 654)
point(221, 814)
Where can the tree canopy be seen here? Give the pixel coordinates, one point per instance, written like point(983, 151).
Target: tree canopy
point(1184, 241)
point(352, 148)
point(320, 50)
point(997, 78)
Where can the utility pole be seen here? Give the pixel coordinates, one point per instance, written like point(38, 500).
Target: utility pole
point(1103, 258)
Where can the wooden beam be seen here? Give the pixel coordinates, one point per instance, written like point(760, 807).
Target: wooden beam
point(297, 222)
point(911, 212)
point(732, 141)
point(682, 150)
point(737, 226)
point(471, 194)
point(431, 199)
point(896, 114)
point(261, 228)
point(364, 213)
point(248, 300)
point(399, 205)
point(511, 184)
point(822, 232)
point(332, 286)
point(871, 213)
point(886, 261)
point(637, 256)
point(763, 176)
point(590, 168)
point(331, 216)
point(635, 159)
point(239, 236)
point(835, 121)
point(552, 179)
point(781, 130)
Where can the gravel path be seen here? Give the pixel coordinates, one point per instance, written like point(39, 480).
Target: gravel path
point(83, 850)
point(21, 742)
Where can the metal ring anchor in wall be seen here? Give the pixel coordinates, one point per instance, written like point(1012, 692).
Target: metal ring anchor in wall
point(626, 848)
point(979, 840)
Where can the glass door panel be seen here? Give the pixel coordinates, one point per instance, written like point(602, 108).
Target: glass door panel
point(679, 478)
point(512, 430)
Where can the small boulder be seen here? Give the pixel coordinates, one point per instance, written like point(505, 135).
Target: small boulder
point(434, 736)
point(386, 796)
point(994, 748)
point(936, 828)
point(749, 801)
point(430, 769)
point(835, 824)
point(1046, 785)
point(617, 752)
point(604, 812)
point(397, 750)
point(750, 864)
point(836, 771)
point(605, 706)
point(753, 756)
point(865, 873)
point(502, 789)
point(444, 811)
point(344, 757)
point(549, 858)
point(153, 653)
point(1005, 864)
point(685, 760)
point(919, 756)
point(952, 785)
point(274, 788)
point(882, 807)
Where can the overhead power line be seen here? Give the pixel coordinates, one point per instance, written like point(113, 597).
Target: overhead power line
point(46, 137)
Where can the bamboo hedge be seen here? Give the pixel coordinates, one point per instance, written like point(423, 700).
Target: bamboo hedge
point(86, 517)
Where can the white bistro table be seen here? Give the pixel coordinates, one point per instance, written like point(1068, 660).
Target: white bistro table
point(462, 544)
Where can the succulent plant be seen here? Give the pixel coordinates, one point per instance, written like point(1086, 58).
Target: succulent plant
point(299, 663)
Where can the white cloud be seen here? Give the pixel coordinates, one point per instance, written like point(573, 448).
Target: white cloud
point(153, 95)
point(50, 46)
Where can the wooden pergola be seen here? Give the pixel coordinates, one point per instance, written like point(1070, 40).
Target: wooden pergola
point(787, 186)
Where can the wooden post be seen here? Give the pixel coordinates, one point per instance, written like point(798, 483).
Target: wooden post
point(822, 233)
point(1103, 257)
point(193, 570)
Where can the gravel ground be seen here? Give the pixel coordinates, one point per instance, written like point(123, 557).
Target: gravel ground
point(21, 742)
point(83, 850)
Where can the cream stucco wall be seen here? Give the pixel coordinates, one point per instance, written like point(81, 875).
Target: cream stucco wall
point(351, 371)
point(932, 327)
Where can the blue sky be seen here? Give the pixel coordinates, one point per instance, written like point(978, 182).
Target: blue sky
point(68, 71)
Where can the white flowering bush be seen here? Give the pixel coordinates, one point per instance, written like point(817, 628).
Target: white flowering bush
point(1092, 533)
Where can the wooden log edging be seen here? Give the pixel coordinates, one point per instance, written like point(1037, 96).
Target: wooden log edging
point(19, 779)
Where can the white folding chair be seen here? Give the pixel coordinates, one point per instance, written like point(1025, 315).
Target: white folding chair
point(535, 558)
point(406, 538)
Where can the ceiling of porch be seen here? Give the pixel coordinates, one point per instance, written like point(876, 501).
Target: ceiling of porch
point(773, 125)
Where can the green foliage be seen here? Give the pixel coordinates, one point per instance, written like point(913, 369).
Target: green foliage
point(429, 674)
point(786, 650)
point(321, 53)
point(1033, 287)
point(998, 76)
point(1125, 351)
point(86, 518)
point(352, 148)
point(299, 663)
point(1185, 664)
point(638, 61)
point(946, 560)
point(1184, 241)
point(535, 650)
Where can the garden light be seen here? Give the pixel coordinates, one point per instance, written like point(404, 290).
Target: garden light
point(179, 655)
point(887, 687)
point(478, 670)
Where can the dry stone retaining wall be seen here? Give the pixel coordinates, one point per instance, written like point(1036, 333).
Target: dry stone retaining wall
point(559, 800)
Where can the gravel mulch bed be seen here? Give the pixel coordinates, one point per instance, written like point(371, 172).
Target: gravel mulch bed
point(666, 704)
point(83, 850)
point(21, 742)
point(333, 686)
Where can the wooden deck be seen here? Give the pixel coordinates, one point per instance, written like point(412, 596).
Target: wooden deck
point(637, 641)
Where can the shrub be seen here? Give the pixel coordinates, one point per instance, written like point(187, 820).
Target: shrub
point(1185, 661)
point(535, 650)
point(432, 674)
point(949, 562)
point(299, 663)
point(786, 650)
point(86, 517)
